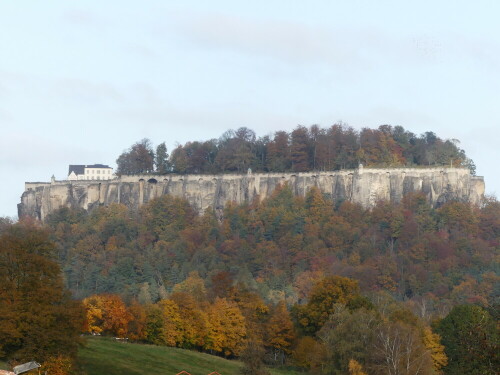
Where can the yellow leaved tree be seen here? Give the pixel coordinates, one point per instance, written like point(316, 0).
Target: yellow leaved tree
point(355, 368)
point(432, 342)
point(225, 328)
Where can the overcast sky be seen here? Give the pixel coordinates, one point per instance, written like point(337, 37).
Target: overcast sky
point(80, 81)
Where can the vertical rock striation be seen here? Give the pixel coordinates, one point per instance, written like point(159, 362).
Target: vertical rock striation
point(365, 186)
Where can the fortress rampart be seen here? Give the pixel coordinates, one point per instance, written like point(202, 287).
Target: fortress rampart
point(365, 186)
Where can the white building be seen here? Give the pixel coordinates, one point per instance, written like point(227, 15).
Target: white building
point(90, 172)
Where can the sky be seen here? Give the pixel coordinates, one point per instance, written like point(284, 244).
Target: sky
point(81, 81)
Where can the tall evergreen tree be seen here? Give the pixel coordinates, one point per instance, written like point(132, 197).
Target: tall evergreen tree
point(471, 340)
point(161, 159)
point(300, 148)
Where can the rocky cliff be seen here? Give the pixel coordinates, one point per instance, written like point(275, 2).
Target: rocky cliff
point(364, 185)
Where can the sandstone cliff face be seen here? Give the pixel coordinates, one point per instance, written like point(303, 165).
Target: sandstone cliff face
point(364, 185)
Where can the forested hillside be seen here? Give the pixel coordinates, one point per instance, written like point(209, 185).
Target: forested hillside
point(290, 282)
point(303, 149)
point(281, 245)
point(293, 280)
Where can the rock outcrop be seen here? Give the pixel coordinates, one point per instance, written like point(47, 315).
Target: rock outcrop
point(364, 185)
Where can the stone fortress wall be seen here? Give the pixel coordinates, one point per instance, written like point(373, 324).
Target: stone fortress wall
point(365, 186)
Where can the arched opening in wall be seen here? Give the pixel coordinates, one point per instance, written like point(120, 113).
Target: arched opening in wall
point(200, 180)
point(141, 180)
point(152, 181)
point(165, 180)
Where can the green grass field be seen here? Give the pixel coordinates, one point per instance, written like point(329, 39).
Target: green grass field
point(104, 356)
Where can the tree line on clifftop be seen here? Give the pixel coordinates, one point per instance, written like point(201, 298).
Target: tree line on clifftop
point(301, 150)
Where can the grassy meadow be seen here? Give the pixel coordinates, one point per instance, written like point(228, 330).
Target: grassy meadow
point(104, 356)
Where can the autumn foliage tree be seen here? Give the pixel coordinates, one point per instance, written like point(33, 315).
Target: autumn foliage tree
point(38, 318)
point(108, 314)
point(355, 368)
point(253, 358)
point(346, 336)
point(59, 365)
point(226, 328)
point(280, 333)
point(432, 342)
point(137, 323)
point(324, 295)
point(139, 158)
point(194, 321)
point(164, 325)
point(399, 350)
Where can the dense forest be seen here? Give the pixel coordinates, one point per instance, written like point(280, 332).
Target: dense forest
point(298, 280)
point(322, 287)
point(303, 149)
point(282, 244)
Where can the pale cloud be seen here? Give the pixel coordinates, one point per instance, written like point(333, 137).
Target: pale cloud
point(413, 120)
point(84, 91)
point(452, 48)
point(10, 79)
point(4, 91)
point(484, 51)
point(297, 43)
point(28, 150)
point(202, 123)
point(81, 17)
point(105, 94)
point(5, 117)
point(352, 49)
point(141, 50)
point(427, 47)
point(143, 92)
